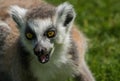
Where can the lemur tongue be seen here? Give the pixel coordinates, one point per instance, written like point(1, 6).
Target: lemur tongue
point(44, 58)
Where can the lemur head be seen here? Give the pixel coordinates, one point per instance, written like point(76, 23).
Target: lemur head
point(41, 28)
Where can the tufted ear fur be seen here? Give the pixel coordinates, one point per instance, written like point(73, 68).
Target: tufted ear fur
point(65, 14)
point(18, 14)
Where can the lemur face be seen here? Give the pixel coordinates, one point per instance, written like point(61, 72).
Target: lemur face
point(43, 27)
point(41, 33)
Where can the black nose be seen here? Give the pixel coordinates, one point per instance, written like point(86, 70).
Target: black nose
point(38, 50)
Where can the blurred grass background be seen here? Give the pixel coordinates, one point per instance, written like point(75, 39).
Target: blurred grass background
point(100, 21)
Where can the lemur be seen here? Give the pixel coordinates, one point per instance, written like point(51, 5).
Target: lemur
point(40, 43)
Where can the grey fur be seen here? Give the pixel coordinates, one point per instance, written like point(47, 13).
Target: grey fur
point(42, 11)
point(4, 31)
point(17, 59)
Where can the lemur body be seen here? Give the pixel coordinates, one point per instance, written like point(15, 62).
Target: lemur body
point(44, 46)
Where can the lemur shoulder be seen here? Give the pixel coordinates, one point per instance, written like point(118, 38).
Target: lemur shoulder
point(39, 42)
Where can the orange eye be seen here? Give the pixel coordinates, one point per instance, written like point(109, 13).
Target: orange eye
point(29, 35)
point(50, 34)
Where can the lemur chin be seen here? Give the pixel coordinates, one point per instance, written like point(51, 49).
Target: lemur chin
point(39, 42)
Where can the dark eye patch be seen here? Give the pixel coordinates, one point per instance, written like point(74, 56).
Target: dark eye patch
point(29, 33)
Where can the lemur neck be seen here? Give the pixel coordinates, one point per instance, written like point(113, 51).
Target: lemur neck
point(25, 54)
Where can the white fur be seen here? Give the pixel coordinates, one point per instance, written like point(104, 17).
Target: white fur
point(40, 26)
point(61, 13)
point(4, 25)
point(17, 10)
point(18, 14)
point(58, 63)
point(58, 68)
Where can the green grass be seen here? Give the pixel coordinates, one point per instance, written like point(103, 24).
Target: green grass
point(100, 21)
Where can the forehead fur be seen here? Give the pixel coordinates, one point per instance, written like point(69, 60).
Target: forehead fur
point(42, 11)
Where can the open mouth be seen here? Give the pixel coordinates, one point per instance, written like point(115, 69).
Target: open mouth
point(44, 56)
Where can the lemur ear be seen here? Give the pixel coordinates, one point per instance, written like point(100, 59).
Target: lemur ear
point(18, 14)
point(65, 14)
